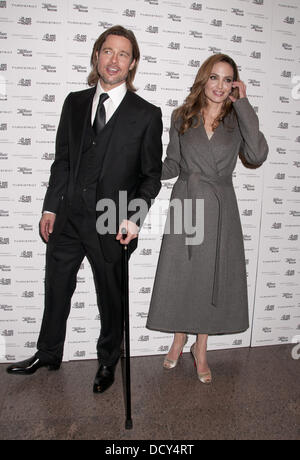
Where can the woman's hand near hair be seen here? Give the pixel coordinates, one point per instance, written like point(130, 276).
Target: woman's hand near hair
point(242, 90)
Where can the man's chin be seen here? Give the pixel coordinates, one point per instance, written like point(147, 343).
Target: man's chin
point(112, 82)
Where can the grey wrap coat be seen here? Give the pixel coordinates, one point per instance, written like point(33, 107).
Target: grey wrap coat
point(202, 289)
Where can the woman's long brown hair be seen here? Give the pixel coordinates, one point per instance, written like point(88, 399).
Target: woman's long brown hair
point(196, 100)
point(121, 32)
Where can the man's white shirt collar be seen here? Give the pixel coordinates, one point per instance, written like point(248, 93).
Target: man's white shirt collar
point(115, 94)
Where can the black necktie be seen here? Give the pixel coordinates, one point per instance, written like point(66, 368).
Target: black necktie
point(100, 117)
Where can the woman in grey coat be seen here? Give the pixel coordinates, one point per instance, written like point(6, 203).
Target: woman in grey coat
point(200, 286)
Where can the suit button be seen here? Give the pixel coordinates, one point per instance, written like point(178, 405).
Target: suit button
point(94, 143)
point(84, 190)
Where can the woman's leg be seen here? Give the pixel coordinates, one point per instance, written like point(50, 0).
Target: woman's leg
point(177, 346)
point(201, 353)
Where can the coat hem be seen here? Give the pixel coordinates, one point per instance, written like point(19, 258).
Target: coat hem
point(190, 331)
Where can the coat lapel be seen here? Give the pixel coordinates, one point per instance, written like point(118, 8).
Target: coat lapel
point(202, 146)
point(81, 119)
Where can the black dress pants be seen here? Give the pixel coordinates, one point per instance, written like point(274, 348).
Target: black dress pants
point(78, 239)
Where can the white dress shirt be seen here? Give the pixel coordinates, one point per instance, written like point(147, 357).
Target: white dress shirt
point(116, 96)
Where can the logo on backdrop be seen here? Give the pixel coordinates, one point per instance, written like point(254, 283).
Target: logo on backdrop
point(173, 44)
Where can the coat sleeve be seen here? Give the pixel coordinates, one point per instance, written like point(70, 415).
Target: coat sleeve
point(254, 146)
point(171, 163)
point(59, 172)
point(150, 165)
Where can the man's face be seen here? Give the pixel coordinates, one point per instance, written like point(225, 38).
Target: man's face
point(114, 61)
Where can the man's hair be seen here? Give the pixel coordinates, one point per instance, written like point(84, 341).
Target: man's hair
point(121, 32)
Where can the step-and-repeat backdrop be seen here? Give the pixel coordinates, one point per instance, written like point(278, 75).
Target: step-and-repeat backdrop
point(45, 48)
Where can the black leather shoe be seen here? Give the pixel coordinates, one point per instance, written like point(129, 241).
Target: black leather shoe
point(30, 366)
point(105, 377)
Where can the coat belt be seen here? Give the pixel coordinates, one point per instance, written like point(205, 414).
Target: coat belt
point(194, 181)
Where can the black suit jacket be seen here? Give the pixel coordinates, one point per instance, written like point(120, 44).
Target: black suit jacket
point(132, 160)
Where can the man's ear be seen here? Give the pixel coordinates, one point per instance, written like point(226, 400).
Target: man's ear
point(132, 65)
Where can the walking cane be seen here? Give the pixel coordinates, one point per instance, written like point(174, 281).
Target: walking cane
point(128, 422)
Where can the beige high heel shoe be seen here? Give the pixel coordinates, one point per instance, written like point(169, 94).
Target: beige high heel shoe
point(171, 363)
point(204, 377)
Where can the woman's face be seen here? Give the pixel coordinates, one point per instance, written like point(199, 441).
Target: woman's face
point(219, 84)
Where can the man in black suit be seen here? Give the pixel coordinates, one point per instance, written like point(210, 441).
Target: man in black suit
point(108, 140)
